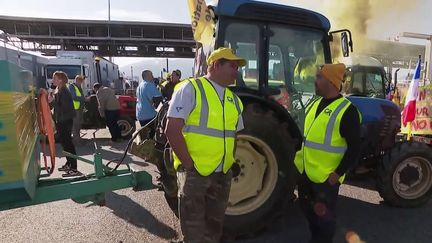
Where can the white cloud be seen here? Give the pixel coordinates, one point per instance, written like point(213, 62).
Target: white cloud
point(156, 65)
point(129, 15)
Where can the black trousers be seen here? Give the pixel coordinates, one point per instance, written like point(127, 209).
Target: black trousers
point(152, 130)
point(318, 203)
point(144, 122)
point(64, 130)
point(112, 118)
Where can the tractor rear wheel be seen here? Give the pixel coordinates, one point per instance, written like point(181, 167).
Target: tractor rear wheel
point(405, 176)
point(264, 173)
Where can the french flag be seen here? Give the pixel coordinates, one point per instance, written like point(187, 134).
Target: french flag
point(409, 111)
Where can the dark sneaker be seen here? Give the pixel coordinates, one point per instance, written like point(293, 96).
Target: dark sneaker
point(72, 173)
point(64, 168)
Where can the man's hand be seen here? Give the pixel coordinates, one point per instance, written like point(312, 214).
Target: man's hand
point(173, 131)
point(333, 178)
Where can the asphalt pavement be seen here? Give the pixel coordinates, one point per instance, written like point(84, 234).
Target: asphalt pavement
point(144, 216)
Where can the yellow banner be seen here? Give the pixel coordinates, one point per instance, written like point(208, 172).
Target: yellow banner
point(18, 134)
point(202, 22)
point(422, 125)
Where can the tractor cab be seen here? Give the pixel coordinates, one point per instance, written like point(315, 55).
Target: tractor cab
point(364, 76)
point(282, 52)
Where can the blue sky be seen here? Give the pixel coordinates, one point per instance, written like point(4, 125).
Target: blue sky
point(385, 18)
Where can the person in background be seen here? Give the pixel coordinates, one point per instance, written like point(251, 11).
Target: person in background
point(64, 114)
point(148, 98)
point(109, 108)
point(329, 149)
point(203, 140)
point(78, 102)
point(167, 87)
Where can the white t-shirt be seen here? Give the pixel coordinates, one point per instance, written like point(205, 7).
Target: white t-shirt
point(183, 102)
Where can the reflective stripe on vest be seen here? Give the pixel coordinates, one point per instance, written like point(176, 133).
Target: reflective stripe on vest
point(328, 134)
point(210, 129)
point(322, 150)
point(77, 103)
point(163, 84)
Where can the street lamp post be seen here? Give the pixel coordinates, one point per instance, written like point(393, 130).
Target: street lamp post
point(109, 10)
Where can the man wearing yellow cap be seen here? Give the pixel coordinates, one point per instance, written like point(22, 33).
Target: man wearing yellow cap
point(330, 147)
point(203, 118)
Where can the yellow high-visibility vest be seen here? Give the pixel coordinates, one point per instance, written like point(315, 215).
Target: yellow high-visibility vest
point(77, 103)
point(210, 129)
point(323, 147)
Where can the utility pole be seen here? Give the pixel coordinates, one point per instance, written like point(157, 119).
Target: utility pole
point(109, 10)
point(167, 66)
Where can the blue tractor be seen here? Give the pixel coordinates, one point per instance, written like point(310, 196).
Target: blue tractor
point(283, 46)
point(403, 169)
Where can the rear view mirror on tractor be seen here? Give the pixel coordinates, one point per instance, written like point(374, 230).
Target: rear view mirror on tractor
point(344, 44)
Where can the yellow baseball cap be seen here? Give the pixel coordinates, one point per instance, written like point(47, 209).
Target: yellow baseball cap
point(333, 73)
point(225, 53)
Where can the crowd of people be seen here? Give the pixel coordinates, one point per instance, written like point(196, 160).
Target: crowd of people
point(331, 136)
point(68, 102)
point(204, 175)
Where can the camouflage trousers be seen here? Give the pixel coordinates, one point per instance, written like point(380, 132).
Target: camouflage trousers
point(202, 204)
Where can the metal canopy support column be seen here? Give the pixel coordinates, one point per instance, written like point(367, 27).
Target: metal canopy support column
point(428, 53)
point(428, 59)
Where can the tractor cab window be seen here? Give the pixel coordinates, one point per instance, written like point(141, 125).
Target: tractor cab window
point(277, 75)
point(374, 85)
point(295, 55)
point(364, 81)
point(246, 45)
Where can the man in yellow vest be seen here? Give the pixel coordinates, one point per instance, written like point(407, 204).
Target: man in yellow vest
point(330, 147)
point(203, 118)
point(167, 87)
point(78, 102)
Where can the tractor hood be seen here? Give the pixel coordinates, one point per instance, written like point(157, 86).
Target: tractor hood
point(374, 110)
